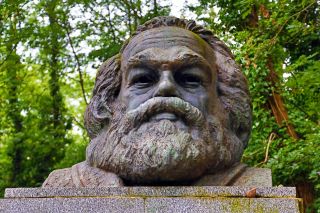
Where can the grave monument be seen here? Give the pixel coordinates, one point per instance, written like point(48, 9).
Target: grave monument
point(172, 108)
point(169, 118)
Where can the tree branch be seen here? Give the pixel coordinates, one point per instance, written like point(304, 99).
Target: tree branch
point(282, 26)
point(271, 138)
point(67, 27)
point(14, 48)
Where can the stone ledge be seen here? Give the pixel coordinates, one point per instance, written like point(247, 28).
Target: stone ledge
point(174, 191)
point(151, 199)
point(140, 205)
point(32, 205)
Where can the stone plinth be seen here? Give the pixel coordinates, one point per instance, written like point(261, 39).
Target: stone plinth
point(151, 199)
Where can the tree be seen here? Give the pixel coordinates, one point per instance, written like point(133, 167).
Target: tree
point(277, 44)
point(47, 51)
point(33, 126)
point(11, 68)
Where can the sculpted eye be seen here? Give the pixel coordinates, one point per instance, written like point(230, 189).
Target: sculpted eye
point(142, 77)
point(143, 81)
point(189, 80)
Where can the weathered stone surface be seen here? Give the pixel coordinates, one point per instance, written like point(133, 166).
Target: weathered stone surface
point(168, 204)
point(174, 191)
point(170, 109)
point(238, 205)
point(239, 175)
point(255, 177)
point(89, 204)
point(150, 199)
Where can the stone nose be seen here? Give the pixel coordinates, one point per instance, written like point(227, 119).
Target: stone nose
point(166, 85)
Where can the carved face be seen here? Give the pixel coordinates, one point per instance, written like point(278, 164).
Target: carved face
point(167, 122)
point(170, 62)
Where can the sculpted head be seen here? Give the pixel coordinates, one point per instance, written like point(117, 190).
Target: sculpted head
point(172, 106)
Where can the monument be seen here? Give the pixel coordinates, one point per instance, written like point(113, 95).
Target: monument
point(172, 109)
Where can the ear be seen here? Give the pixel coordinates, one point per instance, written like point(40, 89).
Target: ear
point(106, 89)
point(97, 115)
point(101, 110)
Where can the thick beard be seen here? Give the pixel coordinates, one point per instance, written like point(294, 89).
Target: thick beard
point(142, 151)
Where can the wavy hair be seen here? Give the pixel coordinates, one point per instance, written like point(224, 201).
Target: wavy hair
point(232, 85)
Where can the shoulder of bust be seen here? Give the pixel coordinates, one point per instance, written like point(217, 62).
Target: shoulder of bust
point(82, 175)
point(59, 178)
point(238, 175)
point(254, 177)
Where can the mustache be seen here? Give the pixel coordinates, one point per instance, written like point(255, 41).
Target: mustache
point(184, 110)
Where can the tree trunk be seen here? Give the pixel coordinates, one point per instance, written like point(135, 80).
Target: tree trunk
point(155, 8)
point(54, 69)
point(276, 102)
point(305, 190)
point(13, 65)
point(15, 117)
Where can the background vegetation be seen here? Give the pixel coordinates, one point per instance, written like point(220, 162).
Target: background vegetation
point(50, 49)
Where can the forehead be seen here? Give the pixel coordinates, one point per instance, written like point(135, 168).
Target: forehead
point(165, 38)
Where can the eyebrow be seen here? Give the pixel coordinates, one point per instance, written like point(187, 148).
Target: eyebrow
point(184, 60)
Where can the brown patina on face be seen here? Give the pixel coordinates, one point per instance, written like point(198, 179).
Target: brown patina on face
point(169, 62)
point(171, 108)
point(169, 127)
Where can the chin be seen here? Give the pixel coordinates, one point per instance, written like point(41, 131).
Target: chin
point(163, 148)
point(156, 152)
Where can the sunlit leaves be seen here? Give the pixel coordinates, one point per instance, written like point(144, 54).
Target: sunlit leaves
point(286, 36)
point(45, 46)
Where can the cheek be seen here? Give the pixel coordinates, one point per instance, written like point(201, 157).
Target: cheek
point(132, 98)
point(199, 99)
point(203, 100)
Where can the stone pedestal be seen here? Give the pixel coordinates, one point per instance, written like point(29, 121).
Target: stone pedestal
point(151, 199)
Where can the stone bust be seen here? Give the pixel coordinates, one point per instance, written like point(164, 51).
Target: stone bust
point(172, 108)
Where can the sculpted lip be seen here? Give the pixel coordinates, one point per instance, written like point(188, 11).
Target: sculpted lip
point(163, 116)
point(161, 108)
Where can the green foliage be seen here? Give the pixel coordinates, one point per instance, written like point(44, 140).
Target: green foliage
point(47, 52)
point(277, 45)
point(50, 49)
point(290, 164)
